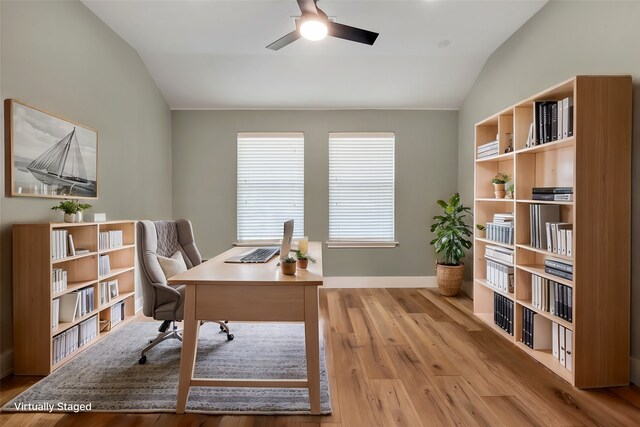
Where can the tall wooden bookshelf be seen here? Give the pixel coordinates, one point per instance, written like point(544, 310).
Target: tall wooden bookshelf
point(596, 162)
point(33, 264)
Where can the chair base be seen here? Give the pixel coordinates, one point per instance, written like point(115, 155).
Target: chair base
point(174, 333)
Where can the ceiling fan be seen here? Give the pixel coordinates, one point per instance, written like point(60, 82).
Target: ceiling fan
point(315, 25)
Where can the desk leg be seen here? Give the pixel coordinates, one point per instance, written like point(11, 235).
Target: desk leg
point(189, 347)
point(312, 342)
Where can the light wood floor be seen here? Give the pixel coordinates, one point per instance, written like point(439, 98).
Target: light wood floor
point(406, 357)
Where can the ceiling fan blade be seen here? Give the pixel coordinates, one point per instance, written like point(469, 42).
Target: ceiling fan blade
point(283, 41)
point(352, 33)
point(307, 6)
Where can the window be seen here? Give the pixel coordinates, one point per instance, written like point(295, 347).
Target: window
point(361, 189)
point(270, 185)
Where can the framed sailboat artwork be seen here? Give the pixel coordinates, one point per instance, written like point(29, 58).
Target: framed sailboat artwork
point(47, 155)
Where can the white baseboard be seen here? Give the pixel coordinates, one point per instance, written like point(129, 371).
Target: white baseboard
point(381, 282)
point(6, 363)
point(635, 370)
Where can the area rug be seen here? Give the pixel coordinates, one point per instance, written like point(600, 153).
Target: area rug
point(108, 376)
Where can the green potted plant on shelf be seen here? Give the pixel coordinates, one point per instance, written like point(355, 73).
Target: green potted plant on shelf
point(481, 230)
point(498, 184)
point(303, 259)
point(452, 239)
point(72, 210)
point(510, 189)
point(288, 266)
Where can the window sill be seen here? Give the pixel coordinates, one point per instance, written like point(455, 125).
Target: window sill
point(362, 245)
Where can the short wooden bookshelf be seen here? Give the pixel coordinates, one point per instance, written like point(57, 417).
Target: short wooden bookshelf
point(34, 293)
point(596, 161)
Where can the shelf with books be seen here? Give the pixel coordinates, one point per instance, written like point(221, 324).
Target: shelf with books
point(497, 158)
point(36, 275)
point(577, 176)
point(549, 146)
point(491, 242)
point(546, 314)
point(538, 269)
point(484, 283)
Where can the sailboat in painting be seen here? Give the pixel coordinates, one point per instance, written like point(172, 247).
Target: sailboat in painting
point(62, 167)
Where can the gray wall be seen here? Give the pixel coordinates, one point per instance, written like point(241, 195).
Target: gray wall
point(204, 178)
point(60, 57)
point(598, 37)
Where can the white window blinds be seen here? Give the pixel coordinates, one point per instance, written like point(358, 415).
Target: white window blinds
point(270, 184)
point(361, 187)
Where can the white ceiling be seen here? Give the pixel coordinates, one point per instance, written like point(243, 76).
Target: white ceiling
point(212, 55)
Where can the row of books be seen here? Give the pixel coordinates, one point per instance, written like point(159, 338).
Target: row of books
point(489, 149)
point(503, 312)
point(551, 296)
point(539, 216)
point(559, 267)
point(501, 228)
point(560, 238)
point(499, 276)
point(55, 313)
point(108, 290)
point(558, 194)
point(104, 265)
point(117, 313)
point(59, 244)
point(562, 345)
point(58, 280)
point(73, 338)
point(553, 120)
point(110, 239)
point(75, 304)
point(536, 330)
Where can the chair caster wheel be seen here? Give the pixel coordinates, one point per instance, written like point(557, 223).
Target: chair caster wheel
point(226, 321)
point(221, 328)
point(230, 337)
point(142, 360)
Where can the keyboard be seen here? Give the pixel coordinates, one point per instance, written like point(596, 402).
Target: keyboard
point(260, 255)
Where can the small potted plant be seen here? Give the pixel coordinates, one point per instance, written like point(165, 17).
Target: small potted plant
point(303, 260)
point(498, 184)
point(452, 238)
point(510, 189)
point(72, 210)
point(481, 229)
point(288, 266)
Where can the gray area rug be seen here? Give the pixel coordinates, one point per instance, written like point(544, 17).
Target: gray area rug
point(108, 375)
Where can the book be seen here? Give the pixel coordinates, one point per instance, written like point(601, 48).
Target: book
point(559, 264)
point(69, 304)
point(72, 249)
point(568, 344)
point(560, 120)
point(552, 190)
point(558, 273)
point(553, 197)
point(553, 118)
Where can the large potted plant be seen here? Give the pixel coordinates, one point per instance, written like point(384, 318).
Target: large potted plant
point(452, 239)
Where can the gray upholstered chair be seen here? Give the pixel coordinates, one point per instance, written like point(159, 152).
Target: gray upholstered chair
point(160, 300)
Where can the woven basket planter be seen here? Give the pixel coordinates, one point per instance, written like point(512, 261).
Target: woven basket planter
point(449, 279)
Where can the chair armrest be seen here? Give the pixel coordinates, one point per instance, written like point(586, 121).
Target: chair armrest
point(165, 294)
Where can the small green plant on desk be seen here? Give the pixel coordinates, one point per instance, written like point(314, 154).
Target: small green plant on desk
point(303, 259)
point(288, 265)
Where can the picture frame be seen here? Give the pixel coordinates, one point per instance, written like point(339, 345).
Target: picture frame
point(113, 289)
point(47, 155)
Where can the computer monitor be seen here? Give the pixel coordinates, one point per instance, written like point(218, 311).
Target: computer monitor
point(287, 234)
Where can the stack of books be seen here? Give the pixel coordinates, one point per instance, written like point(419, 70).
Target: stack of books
point(117, 313)
point(501, 229)
point(557, 194)
point(88, 330)
point(59, 244)
point(499, 268)
point(64, 344)
point(536, 330)
point(553, 297)
point(58, 280)
point(553, 120)
point(562, 345)
point(539, 216)
point(488, 150)
point(503, 312)
point(111, 239)
point(104, 265)
point(559, 267)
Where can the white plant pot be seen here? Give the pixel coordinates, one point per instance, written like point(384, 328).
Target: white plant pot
point(79, 216)
point(69, 217)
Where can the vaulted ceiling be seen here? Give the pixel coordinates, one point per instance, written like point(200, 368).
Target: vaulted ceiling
point(212, 55)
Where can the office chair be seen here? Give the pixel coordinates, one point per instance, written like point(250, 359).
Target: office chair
point(161, 301)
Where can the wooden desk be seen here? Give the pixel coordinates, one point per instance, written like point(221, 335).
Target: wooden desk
point(250, 292)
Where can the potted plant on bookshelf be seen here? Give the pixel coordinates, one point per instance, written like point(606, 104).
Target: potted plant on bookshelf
point(72, 210)
point(288, 266)
point(498, 184)
point(452, 238)
point(510, 189)
point(303, 259)
point(481, 230)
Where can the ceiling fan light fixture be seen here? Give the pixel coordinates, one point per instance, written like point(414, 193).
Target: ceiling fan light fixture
point(313, 28)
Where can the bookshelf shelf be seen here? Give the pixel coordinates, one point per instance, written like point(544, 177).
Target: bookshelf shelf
point(543, 252)
point(33, 296)
point(594, 161)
